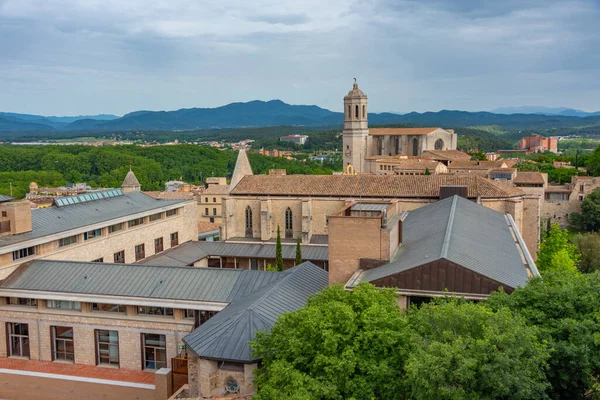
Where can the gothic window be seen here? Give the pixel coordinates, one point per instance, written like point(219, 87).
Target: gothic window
point(356, 111)
point(231, 386)
point(289, 224)
point(415, 147)
point(248, 222)
point(364, 112)
point(349, 112)
point(380, 146)
point(439, 144)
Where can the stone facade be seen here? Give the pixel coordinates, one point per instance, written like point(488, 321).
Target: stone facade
point(210, 204)
point(561, 201)
point(209, 378)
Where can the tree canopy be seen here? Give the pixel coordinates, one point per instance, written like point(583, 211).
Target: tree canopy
point(557, 252)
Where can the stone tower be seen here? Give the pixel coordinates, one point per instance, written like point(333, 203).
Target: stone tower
point(242, 168)
point(356, 129)
point(130, 184)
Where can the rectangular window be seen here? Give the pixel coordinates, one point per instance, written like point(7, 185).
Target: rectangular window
point(189, 314)
point(170, 213)
point(119, 257)
point(18, 339)
point(22, 301)
point(214, 199)
point(101, 259)
point(63, 305)
point(114, 308)
point(581, 188)
point(158, 245)
point(214, 211)
point(206, 199)
point(206, 315)
point(115, 228)
point(67, 241)
point(174, 239)
point(206, 211)
point(92, 234)
point(155, 217)
point(139, 252)
point(154, 352)
point(136, 222)
point(211, 219)
point(147, 310)
point(4, 214)
point(107, 347)
point(62, 343)
point(23, 253)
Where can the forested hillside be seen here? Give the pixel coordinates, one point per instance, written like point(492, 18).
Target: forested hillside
point(107, 166)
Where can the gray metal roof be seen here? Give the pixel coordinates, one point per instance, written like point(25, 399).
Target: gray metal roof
point(4, 198)
point(466, 233)
point(190, 252)
point(52, 220)
point(226, 335)
point(369, 207)
point(133, 280)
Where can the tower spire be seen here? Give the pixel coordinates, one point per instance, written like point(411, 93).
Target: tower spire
point(242, 168)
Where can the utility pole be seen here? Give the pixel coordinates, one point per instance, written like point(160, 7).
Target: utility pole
point(10, 185)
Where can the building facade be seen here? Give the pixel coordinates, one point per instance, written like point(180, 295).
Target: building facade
point(210, 200)
point(537, 143)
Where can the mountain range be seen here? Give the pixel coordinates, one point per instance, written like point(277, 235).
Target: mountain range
point(277, 113)
point(569, 112)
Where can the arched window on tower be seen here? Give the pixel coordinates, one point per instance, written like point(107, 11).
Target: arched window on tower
point(415, 147)
point(356, 111)
point(248, 232)
point(349, 112)
point(289, 223)
point(439, 144)
point(364, 111)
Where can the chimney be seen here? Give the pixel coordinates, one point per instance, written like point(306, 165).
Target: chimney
point(15, 216)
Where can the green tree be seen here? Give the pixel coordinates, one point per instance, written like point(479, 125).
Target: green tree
point(589, 219)
point(588, 246)
point(341, 345)
point(465, 351)
point(557, 252)
point(298, 252)
point(527, 166)
point(593, 164)
point(278, 252)
point(427, 172)
point(564, 307)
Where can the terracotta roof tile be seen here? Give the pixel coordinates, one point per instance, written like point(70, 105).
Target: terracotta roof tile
point(529, 177)
point(170, 195)
point(387, 186)
point(216, 189)
point(412, 164)
point(207, 226)
point(401, 131)
point(464, 164)
point(447, 154)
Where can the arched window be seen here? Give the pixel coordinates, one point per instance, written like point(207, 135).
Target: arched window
point(349, 112)
point(364, 112)
point(415, 147)
point(289, 223)
point(231, 386)
point(248, 222)
point(356, 111)
point(439, 144)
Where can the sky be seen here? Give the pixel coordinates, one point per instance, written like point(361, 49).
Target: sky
point(75, 57)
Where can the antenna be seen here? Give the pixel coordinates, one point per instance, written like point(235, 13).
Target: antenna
point(10, 184)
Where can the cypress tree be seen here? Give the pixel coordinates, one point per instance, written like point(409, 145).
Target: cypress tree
point(278, 253)
point(298, 252)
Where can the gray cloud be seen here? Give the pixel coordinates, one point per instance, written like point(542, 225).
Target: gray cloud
point(91, 56)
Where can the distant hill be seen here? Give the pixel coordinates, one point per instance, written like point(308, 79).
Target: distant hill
point(258, 114)
point(569, 112)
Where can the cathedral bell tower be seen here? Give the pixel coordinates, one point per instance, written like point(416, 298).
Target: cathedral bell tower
point(356, 129)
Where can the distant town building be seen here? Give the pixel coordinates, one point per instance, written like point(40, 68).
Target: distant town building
point(477, 167)
point(538, 143)
point(560, 201)
point(296, 139)
point(210, 203)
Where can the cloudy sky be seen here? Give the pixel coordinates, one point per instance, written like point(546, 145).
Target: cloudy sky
point(70, 57)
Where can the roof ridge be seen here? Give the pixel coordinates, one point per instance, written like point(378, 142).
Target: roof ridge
point(275, 284)
point(447, 235)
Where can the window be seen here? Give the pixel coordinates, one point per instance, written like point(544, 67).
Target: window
point(63, 305)
point(158, 245)
point(581, 188)
point(211, 219)
point(170, 213)
point(120, 257)
point(4, 214)
point(103, 307)
point(92, 234)
point(580, 197)
point(231, 385)
point(248, 222)
point(22, 301)
point(214, 211)
point(439, 144)
point(206, 199)
point(67, 241)
point(101, 259)
point(214, 199)
point(23, 253)
point(136, 222)
point(107, 347)
point(115, 228)
point(206, 211)
point(147, 310)
point(62, 343)
point(206, 315)
point(18, 339)
point(356, 111)
point(155, 352)
point(188, 314)
point(155, 217)
point(289, 223)
point(139, 252)
point(174, 239)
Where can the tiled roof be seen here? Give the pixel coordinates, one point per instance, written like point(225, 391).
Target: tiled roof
point(401, 131)
point(130, 179)
point(216, 189)
point(411, 164)
point(511, 162)
point(170, 195)
point(207, 226)
point(464, 164)
point(468, 234)
point(447, 154)
point(242, 168)
point(367, 185)
point(529, 177)
point(504, 170)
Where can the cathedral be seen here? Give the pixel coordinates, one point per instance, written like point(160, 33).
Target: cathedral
point(362, 146)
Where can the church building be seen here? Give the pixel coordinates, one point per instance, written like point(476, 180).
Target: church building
point(362, 146)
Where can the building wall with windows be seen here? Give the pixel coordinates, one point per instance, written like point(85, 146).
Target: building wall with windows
point(101, 242)
point(559, 202)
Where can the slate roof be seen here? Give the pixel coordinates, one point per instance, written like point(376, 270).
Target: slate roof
point(466, 233)
point(367, 185)
point(190, 252)
point(226, 335)
point(52, 220)
point(133, 280)
point(401, 131)
point(242, 168)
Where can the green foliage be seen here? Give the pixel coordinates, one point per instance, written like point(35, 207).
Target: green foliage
point(564, 307)
point(477, 156)
point(278, 252)
point(593, 164)
point(527, 166)
point(20, 181)
point(341, 345)
point(465, 351)
point(557, 252)
point(427, 172)
point(588, 247)
point(298, 252)
point(589, 219)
